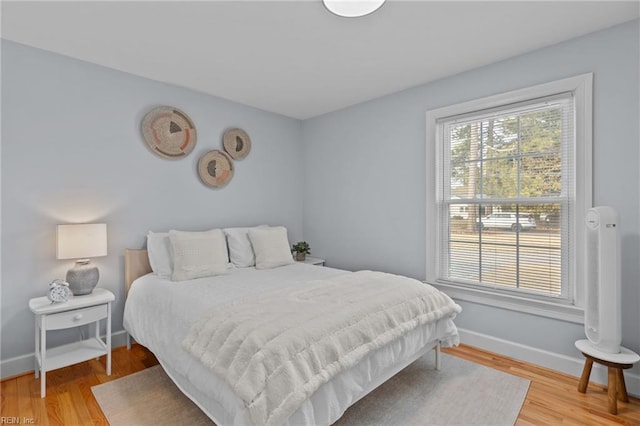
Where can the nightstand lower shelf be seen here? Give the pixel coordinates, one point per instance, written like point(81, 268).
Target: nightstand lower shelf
point(73, 353)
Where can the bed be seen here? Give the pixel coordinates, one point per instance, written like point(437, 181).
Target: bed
point(162, 314)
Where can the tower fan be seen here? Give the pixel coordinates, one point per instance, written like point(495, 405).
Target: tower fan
point(602, 320)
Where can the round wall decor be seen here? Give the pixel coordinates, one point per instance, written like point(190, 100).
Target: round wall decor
point(215, 168)
point(169, 132)
point(237, 143)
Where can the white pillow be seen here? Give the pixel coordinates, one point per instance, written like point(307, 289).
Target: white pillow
point(240, 251)
point(198, 254)
point(271, 247)
point(159, 252)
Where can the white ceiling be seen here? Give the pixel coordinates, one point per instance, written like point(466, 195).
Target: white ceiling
point(294, 57)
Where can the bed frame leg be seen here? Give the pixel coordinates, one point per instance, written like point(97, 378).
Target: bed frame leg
point(438, 356)
point(128, 341)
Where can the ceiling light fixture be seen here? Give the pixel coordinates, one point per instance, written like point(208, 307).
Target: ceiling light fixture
point(352, 8)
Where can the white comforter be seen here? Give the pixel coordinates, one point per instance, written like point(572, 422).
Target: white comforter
point(159, 314)
point(277, 349)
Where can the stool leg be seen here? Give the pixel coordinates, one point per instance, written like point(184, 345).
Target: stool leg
point(586, 372)
point(611, 392)
point(622, 388)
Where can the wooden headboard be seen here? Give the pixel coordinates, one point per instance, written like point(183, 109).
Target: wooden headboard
point(136, 264)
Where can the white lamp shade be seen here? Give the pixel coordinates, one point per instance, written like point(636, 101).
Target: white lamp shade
point(79, 241)
point(352, 8)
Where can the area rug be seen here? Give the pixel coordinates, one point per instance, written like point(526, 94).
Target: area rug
point(460, 393)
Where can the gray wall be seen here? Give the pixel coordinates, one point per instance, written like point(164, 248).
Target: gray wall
point(364, 198)
point(72, 151)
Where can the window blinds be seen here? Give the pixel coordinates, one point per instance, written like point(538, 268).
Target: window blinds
point(505, 195)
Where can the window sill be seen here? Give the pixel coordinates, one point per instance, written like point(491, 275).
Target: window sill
point(569, 313)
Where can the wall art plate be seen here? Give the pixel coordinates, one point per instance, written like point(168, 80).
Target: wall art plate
point(169, 132)
point(237, 143)
point(215, 168)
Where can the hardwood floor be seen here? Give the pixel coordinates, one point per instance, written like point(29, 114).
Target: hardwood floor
point(553, 398)
point(69, 399)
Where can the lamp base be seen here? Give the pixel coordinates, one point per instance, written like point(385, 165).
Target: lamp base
point(82, 278)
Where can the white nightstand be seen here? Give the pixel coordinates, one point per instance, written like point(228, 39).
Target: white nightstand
point(79, 310)
point(313, 261)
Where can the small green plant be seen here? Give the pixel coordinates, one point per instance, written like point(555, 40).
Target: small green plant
point(301, 247)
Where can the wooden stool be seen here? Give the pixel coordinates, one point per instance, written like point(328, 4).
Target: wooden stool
point(615, 363)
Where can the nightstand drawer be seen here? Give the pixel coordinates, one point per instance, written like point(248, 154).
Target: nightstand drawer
point(76, 317)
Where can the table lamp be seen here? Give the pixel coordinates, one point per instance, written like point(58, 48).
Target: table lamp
point(82, 241)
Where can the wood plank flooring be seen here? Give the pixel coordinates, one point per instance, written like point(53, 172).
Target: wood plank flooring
point(553, 398)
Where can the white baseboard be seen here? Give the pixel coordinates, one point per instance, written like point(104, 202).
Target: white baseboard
point(563, 363)
point(26, 363)
point(552, 360)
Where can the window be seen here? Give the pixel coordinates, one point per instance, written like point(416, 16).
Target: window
point(508, 183)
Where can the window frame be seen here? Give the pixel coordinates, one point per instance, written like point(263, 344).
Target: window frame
point(581, 86)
